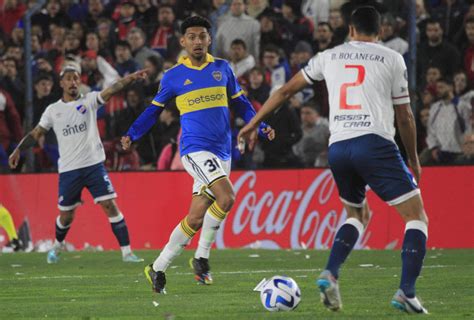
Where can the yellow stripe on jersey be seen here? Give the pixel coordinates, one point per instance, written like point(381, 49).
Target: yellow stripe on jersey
point(238, 94)
point(201, 99)
point(157, 104)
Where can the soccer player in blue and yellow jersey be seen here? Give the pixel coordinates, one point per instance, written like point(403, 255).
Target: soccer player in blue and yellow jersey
point(204, 88)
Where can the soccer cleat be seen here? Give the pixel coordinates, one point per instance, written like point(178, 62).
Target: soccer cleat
point(156, 278)
point(53, 256)
point(131, 258)
point(16, 245)
point(329, 288)
point(408, 305)
point(201, 270)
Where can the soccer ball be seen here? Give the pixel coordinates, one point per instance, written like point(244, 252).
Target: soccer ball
point(279, 293)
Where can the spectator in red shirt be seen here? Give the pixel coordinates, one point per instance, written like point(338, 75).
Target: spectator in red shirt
point(10, 14)
point(126, 19)
point(165, 39)
point(295, 27)
point(469, 51)
point(10, 127)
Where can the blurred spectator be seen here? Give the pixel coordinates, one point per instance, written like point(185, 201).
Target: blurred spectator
point(238, 25)
point(461, 89)
point(52, 14)
point(93, 43)
point(256, 7)
point(421, 128)
point(167, 130)
point(17, 35)
point(313, 147)
point(450, 14)
point(323, 37)
point(107, 37)
point(279, 153)
point(270, 35)
point(169, 158)
point(277, 70)
point(165, 39)
point(469, 51)
point(99, 72)
point(433, 74)
point(437, 51)
point(146, 14)
point(240, 61)
point(13, 84)
point(389, 38)
point(220, 9)
point(316, 10)
point(96, 10)
point(467, 156)
point(294, 26)
point(10, 127)
point(10, 13)
point(152, 81)
point(124, 62)
point(258, 89)
point(126, 20)
point(340, 30)
point(136, 38)
point(449, 120)
point(72, 44)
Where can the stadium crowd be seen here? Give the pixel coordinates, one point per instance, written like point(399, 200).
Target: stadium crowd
point(266, 42)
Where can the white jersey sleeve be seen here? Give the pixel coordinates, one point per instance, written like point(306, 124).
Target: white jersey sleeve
point(400, 94)
point(314, 70)
point(94, 99)
point(46, 121)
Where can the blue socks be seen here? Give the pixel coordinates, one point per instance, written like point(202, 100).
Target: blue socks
point(346, 238)
point(61, 231)
point(413, 253)
point(119, 227)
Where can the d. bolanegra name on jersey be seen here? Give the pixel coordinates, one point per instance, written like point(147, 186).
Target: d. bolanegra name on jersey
point(206, 98)
point(358, 56)
point(296, 215)
point(71, 130)
point(354, 120)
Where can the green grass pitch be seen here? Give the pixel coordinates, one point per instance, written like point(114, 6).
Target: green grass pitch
point(100, 285)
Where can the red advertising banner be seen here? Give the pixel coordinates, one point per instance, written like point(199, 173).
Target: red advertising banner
point(273, 209)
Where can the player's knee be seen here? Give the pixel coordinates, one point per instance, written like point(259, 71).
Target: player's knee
point(66, 217)
point(110, 208)
point(195, 222)
point(226, 202)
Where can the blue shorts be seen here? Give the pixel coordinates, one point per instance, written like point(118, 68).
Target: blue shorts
point(374, 161)
point(94, 178)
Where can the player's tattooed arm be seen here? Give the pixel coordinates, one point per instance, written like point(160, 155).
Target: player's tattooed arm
point(119, 85)
point(28, 141)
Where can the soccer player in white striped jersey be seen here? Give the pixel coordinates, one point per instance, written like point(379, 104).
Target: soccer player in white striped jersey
point(367, 86)
point(74, 121)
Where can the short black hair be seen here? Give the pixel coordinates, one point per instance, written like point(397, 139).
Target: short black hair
point(433, 21)
point(366, 20)
point(446, 80)
point(239, 42)
point(124, 44)
point(195, 21)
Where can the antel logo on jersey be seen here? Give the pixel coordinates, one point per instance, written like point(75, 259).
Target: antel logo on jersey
point(206, 98)
point(306, 218)
point(71, 130)
point(82, 108)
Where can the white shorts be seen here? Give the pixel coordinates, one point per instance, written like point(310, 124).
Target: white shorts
point(205, 168)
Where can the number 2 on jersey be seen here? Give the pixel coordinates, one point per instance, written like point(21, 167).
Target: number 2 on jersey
point(343, 93)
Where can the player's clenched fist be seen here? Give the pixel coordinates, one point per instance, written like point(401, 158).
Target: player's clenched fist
point(126, 142)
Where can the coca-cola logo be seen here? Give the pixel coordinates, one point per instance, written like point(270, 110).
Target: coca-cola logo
point(303, 218)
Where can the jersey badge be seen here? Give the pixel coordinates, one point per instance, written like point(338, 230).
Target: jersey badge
point(217, 75)
point(82, 109)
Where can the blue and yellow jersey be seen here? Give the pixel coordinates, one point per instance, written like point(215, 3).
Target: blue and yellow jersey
point(203, 95)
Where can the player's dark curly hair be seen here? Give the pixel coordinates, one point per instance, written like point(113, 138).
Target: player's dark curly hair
point(195, 21)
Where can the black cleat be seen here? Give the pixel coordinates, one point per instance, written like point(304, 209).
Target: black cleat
point(156, 278)
point(201, 270)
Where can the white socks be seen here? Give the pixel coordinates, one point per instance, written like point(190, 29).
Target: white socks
point(210, 226)
point(180, 238)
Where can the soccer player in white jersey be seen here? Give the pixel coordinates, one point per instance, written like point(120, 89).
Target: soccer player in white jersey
point(367, 85)
point(74, 121)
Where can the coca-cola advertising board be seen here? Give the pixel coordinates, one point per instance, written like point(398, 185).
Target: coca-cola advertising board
point(273, 209)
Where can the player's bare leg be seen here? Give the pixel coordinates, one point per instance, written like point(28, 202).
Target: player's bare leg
point(345, 239)
point(215, 214)
point(120, 230)
point(63, 224)
point(413, 253)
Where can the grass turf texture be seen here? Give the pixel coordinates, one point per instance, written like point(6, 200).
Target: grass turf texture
point(100, 285)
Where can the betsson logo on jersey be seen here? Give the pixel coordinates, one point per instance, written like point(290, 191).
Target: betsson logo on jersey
point(71, 130)
point(206, 98)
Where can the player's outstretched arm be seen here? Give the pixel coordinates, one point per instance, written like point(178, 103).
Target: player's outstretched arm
point(107, 93)
point(28, 141)
point(295, 84)
point(407, 128)
point(141, 126)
